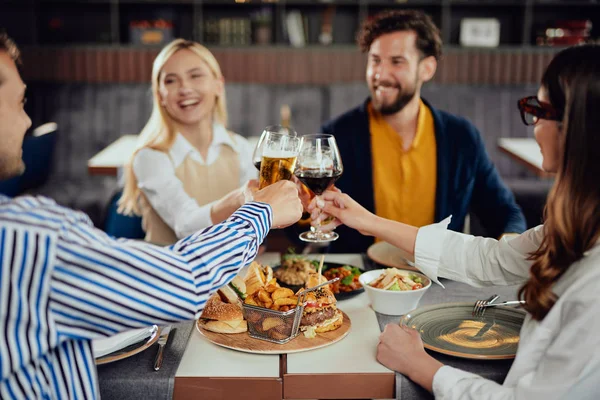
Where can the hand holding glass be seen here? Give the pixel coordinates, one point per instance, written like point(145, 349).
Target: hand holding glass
point(319, 165)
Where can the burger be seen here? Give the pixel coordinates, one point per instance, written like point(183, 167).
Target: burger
point(223, 310)
point(320, 309)
point(258, 276)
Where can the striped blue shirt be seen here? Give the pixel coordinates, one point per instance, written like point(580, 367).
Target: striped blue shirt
point(63, 283)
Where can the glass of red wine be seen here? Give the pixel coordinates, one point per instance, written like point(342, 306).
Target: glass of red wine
point(318, 166)
point(268, 131)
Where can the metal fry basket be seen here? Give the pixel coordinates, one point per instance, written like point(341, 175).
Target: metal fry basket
point(277, 326)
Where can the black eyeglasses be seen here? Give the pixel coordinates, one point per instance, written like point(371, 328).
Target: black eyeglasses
point(532, 110)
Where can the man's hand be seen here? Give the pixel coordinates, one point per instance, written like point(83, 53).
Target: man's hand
point(284, 201)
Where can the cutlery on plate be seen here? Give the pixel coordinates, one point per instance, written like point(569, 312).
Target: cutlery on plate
point(162, 341)
point(506, 303)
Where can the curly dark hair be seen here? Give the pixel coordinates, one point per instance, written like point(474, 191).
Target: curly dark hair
point(429, 41)
point(9, 46)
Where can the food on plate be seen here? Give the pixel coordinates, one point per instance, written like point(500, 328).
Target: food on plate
point(239, 287)
point(320, 309)
point(294, 270)
point(396, 280)
point(258, 276)
point(348, 279)
point(220, 316)
point(273, 297)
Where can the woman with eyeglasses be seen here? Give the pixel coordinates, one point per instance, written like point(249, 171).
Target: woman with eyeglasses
point(557, 263)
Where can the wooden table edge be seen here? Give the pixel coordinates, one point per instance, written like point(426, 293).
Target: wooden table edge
point(218, 388)
point(381, 385)
point(96, 170)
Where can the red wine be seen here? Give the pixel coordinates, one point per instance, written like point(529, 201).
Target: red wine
point(318, 181)
point(257, 164)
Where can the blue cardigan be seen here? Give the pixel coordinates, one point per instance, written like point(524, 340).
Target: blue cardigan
point(467, 181)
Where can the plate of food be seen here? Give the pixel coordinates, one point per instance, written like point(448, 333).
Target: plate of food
point(386, 254)
point(263, 319)
point(451, 329)
point(294, 270)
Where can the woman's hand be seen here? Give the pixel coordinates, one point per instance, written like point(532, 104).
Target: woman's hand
point(401, 349)
point(345, 211)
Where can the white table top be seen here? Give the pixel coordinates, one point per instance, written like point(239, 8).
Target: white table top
point(113, 157)
point(525, 150)
point(205, 359)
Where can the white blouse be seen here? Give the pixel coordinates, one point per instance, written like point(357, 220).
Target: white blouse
point(558, 357)
point(155, 172)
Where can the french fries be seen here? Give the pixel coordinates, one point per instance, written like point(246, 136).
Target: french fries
point(273, 297)
point(270, 295)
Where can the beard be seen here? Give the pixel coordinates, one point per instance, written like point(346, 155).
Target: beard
point(11, 167)
point(403, 97)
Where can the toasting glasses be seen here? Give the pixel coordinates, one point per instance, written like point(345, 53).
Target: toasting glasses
point(266, 133)
point(318, 166)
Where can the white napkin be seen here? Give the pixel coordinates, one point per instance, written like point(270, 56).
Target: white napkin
point(102, 347)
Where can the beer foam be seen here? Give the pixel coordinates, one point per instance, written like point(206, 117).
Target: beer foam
point(275, 153)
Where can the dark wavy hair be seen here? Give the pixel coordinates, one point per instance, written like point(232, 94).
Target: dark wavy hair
point(572, 213)
point(9, 46)
point(429, 41)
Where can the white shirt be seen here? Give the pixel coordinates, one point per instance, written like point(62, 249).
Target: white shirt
point(558, 357)
point(155, 172)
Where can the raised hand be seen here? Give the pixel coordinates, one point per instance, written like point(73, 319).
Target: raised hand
point(284, 201)
point(344, 210)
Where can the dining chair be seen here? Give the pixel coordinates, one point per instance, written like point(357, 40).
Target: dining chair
point(119, 225)
point(38, 151)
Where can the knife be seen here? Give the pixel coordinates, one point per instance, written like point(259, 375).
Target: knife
point(162, 341)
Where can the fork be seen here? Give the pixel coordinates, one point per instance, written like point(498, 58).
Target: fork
point(479, 307)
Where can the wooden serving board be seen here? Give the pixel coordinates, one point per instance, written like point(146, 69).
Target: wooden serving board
point(243, 342)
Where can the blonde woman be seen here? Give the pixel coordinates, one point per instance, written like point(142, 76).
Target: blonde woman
point(188, 171)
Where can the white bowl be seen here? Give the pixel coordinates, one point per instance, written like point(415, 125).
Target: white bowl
point(392, 302)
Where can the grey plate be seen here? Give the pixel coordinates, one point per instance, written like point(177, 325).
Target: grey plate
point(450, 329)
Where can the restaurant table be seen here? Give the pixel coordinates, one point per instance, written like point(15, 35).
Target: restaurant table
point(526, 151)
point(112, 158)
point(347, 369)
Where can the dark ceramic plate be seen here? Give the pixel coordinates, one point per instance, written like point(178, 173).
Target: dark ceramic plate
point(326, 266)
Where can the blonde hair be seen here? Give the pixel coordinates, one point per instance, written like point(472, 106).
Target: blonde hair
point(159, 132)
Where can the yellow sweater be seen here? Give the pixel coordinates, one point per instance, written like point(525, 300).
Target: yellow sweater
point(404, 181)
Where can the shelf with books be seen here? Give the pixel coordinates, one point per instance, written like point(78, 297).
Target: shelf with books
point(570, 26)
point(322, 25)
point(274, 22)
point(239, 25)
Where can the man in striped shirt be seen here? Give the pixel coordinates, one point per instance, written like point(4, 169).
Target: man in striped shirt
point(64, 283)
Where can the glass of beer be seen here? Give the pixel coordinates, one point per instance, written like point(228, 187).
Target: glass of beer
point(269, 130)
point(278, 159)
point(319, 165)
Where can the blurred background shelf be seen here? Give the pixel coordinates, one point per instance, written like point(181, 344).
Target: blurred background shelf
point(269, 22)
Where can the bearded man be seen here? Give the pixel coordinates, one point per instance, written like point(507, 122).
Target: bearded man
point(404, 159)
